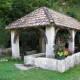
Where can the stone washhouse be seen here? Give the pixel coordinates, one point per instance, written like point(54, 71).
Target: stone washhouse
point(48, 22)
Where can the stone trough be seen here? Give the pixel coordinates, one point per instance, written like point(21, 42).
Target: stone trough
point(53, 64)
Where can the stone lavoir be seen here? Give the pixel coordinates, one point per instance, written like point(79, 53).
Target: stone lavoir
point(50, 25)
point(53, 64)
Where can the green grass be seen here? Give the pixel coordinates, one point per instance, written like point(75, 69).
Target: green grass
point(8, 71)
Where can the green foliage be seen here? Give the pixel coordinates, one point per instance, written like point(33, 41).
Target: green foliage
point(29, 40)
point(4, 38)
point(11, 10)
point(78, 37)
point(59, 48)
point(4, 34)
point(65, 38)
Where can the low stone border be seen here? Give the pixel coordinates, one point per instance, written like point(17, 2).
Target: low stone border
point(5, 50)
point(53, 64)
point(2, 59)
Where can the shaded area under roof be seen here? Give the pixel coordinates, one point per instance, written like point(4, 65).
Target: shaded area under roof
point(44, 16)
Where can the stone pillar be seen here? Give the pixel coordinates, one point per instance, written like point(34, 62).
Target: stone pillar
point(15, 45)
point(50, 33)
point(42, 43)
point(72, 43)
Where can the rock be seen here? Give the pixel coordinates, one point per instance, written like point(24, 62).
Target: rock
point(70, 62)
point(61, 65)
point(28, 60)
point(77, 55)
point(46, 63)
point(3, 59)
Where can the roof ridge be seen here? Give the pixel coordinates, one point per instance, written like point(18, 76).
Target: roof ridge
point(48, 14)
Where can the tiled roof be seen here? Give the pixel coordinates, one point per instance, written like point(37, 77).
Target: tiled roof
point(44, 16)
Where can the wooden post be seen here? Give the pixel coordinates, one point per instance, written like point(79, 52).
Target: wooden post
point(50, 33)
point(15, 45)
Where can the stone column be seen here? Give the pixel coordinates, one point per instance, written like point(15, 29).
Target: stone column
point(15, 45)
point(42, 43)
point(72, 43)
point(50, 33)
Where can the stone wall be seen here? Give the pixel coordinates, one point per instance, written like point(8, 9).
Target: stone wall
point(53, 64)
point(5, 50)
point(30, 52)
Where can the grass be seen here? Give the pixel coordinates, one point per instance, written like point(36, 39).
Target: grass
point(8, 71)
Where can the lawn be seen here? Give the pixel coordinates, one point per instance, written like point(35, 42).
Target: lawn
point(8, 71)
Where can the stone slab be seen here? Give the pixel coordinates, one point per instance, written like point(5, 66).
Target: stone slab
point(53, 64)
point(46, 63)
point(77, 55)
point(23, 67)
point(61, 66)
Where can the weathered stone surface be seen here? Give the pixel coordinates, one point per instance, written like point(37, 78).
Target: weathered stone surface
point(61, 65)
point(5, 50)
point(3, 59)
point(38, 55)
point(23, 67)
point(67, 63)
point(46, 63)
point(77, 55)
point(41, 62)
point(28, 60)
point(31, 52)
point(28, 52)
point(70, 62)
point(53, 64)
point(74, 59)
point(34, 51)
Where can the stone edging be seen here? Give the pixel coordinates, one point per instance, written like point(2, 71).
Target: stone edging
point(53, 64)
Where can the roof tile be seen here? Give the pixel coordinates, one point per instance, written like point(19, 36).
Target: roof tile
point(44, 16)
